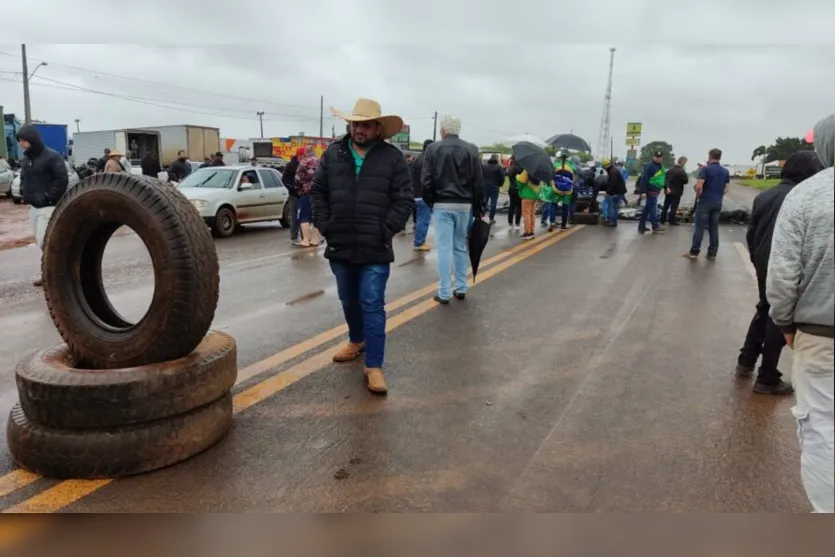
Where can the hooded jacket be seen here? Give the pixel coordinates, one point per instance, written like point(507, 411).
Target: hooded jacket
point(493, 173)
point(801, 269)
point(800, 166)
point(615, 185)
point(179, 170)
point(288, 177)
point(43, 178)
point(151, 166)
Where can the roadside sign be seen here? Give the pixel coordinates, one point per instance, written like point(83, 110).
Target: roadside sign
point(633, 128)
point(401, 138)
point(633, 141)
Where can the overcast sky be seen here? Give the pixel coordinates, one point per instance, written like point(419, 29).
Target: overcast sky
point(732, 74)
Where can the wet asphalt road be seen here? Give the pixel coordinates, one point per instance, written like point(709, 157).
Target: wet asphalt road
point(593, 373)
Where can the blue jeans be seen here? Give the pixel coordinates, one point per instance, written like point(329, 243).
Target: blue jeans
point(424, 217)
point(362, 291)
point(707, 216)
point(650, 212)
point(549, 213)
point(451, 236)
point(604, 208)
point(491, 200)
point(613, 207)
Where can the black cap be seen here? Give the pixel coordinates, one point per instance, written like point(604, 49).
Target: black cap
point(658, 154)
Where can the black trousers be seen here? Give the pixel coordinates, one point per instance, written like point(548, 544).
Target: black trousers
point(514, 212)
point(764, 339)
point(671, 202)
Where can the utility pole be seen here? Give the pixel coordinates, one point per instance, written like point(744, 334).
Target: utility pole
point(261, 120)
point(604, 136)
point(435, 126)
point(321, 115)
point(27, 108)
point(77, 127)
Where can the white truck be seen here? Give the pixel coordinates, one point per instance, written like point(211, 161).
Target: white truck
point(164, 141)
point(199, 142)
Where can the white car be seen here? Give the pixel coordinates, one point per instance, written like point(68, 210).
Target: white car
point(6, 178)
point(17, 197)
point(228, 196)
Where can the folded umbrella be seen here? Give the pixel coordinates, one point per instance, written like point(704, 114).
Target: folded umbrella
point(535, 160)
point(479, 236)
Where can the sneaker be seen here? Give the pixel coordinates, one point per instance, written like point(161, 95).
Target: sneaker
point(552, 228)
point(780, 389)
point(424, 247)
point(644, 231)
point(691, 256)
point(459, 295)
point(375, 380)
point(349, 352)
point(743, 371)
point(711, 257)
point(659, 230)
point(527, 236)
point(441, 300)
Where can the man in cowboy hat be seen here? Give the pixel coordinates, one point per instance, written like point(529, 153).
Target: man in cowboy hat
point(114, 164)
point(362, 196)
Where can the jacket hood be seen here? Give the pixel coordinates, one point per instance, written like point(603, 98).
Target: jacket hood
point(824, 140)
point(800, 166)
point(31, 134)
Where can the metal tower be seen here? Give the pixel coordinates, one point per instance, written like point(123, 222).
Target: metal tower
point(604, 137)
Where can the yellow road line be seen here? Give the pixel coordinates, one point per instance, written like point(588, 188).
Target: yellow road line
point(15, 480)
point(70, 491)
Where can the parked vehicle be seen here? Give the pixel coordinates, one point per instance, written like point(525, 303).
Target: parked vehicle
point(54, 136)
point(7, 176)
point(91, 145)
point(198, 142)
point(17, 195)
point(229, 196)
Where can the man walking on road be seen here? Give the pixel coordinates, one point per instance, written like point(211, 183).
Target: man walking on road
point(362, 196)
point(493, 181)
point(423, 213)
point(43, 182)
point(711, 187)
point(615, 189)
point(673, 190)
point(514, 210)
point(288, 177)
point(801, 290)
point(453, 185)
point(180, 168)
point(764, 337)
point(651, 183)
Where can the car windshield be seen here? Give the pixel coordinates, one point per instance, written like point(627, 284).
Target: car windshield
point(210, 178)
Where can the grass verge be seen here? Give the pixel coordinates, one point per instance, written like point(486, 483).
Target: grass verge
point(760, 184)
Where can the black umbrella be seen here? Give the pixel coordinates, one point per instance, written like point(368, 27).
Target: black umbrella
point(569, 141)
point(533, 159)
point(479, 235)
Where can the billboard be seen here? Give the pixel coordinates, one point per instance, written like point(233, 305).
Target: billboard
point(634, 128)
point(633, 141)
point(286, 147)
point(401, 138)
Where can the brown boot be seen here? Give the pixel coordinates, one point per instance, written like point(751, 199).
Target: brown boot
point(376, 380)
point(349, 352)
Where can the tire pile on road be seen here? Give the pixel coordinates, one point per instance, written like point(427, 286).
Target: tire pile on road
point(120, 398)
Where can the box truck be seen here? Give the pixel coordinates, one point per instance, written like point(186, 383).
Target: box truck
point(91, 145)
point(198, 142)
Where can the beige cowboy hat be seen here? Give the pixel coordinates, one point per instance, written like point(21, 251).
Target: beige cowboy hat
point(366, 110)
point(114, 153)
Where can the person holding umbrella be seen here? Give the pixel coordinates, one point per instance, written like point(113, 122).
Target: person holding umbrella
point(537, 168)
point(453, 185)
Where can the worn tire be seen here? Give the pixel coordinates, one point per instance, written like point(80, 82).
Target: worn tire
point(586, 218)
point(285, 219)
point(185, 271)
point(226, 223)
point(115, 452)
point(56, 394)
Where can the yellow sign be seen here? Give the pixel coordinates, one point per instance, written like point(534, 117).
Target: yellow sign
point(633, 128)
point(633, 141)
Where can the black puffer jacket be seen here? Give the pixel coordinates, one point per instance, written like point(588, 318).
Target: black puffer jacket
point(178, 170)
point(360, 214)
point(798, 167)
point(493, 173)
point(615, 184)
point(43, 178)
point(288, 177)
point(452, 173)
point(512, 172)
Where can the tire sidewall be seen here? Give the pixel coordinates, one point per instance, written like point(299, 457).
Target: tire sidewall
point(225, 222)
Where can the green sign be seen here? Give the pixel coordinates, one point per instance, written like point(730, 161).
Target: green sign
point(401, 138)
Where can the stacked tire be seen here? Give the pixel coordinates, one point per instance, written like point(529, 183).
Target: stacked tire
point(121, 398)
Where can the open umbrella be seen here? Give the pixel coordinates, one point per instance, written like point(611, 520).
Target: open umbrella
point(479, 235)
point(569, 141)
point(511, 141)
point(535, 160)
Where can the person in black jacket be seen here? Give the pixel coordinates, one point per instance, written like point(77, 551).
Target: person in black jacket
point(493, 181)
point(43, 181)
point(362, 196)
point(676, 179)
point(514, 211)
point(180, 168)
point(615, 189)
point(453, 185)
point(288, 177)
point(423, 216)
point(151, 166)
point(764, 338)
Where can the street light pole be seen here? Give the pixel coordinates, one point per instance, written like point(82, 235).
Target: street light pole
point(77, 127)
point(261, 120)
point(27, 109)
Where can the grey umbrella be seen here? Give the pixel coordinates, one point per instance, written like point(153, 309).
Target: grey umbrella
point(569, 141)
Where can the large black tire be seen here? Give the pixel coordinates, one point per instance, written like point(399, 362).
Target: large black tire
point(111, 453)
point(55, 394)
point(226, 223)
point(586, 218)
point(285, 219)
point(186, 272)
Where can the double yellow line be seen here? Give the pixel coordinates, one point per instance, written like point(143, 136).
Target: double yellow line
point(70, 491)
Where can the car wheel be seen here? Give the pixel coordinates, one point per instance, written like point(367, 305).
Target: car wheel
point(185, 265)
point(55, 393)
point(285, 219)
point(120, 451)
point(225, 223)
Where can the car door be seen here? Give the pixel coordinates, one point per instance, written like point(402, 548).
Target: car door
point(251, 199)
point(275, 191)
